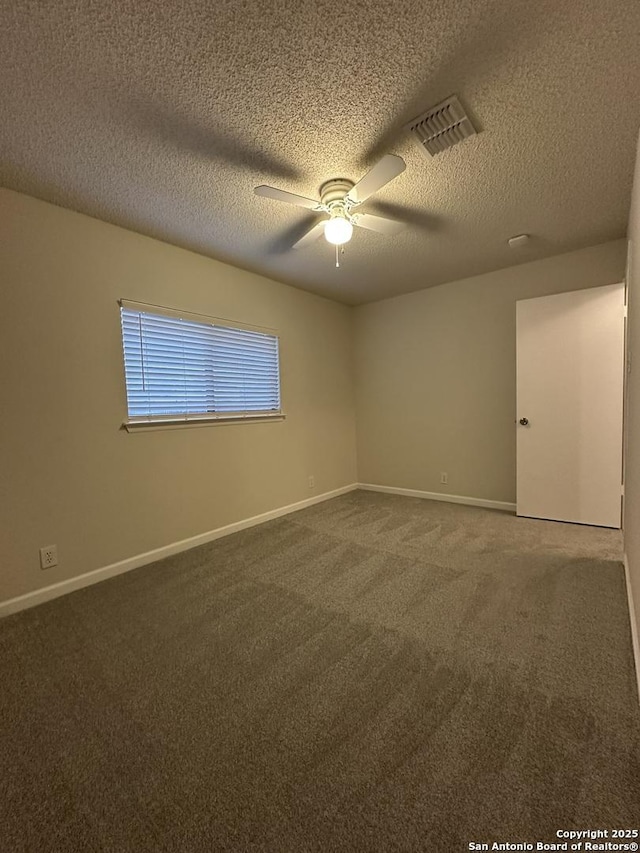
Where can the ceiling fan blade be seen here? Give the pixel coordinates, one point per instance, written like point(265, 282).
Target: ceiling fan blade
point(385, 170)
point(418, 217)
point(312, 235)
point(378, 223)
point(289, 198)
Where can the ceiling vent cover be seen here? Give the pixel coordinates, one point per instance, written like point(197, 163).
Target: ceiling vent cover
point(442, 126)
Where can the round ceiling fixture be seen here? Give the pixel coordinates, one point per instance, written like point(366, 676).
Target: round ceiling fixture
point(338, 230)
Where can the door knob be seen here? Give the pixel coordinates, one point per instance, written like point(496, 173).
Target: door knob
point(524, 421)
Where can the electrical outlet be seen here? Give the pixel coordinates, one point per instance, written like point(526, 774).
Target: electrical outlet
point(48, 556)
point(444, 478)
point(312, 481)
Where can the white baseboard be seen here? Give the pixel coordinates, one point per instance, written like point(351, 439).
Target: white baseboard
point(438, 496)
point(39, 596)
point(634, 615)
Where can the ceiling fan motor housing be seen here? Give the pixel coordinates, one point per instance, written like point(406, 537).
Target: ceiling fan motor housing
point(335, 191)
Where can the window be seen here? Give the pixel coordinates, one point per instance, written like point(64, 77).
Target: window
point(186, 367)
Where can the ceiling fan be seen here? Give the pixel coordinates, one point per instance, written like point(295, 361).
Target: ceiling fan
point(339, 198)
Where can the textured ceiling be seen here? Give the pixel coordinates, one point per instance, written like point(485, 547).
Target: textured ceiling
point(162, 117)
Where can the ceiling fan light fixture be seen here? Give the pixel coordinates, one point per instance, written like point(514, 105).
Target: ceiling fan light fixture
point(338, 230)
point(338, 198)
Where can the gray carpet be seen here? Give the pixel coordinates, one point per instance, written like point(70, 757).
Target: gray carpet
point(375, 673)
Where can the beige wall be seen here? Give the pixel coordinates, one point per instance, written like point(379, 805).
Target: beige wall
point(435, 375)
point(632, 456)
point(69, 474)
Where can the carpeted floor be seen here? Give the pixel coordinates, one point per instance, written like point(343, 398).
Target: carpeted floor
point(375, 673)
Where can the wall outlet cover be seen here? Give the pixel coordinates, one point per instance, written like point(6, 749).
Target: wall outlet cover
point(48, 556)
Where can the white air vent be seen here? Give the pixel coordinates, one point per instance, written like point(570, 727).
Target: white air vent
point(442, 126)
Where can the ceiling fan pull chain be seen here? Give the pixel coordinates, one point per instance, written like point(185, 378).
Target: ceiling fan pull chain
point(337, 257)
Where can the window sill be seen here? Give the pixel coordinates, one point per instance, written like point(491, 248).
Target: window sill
point(180, 423)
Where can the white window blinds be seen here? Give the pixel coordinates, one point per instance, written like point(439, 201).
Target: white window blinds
point(181, 368)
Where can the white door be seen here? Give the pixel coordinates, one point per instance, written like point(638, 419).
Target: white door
point(570, 368)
